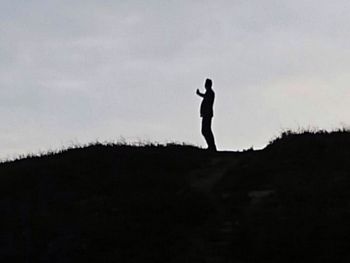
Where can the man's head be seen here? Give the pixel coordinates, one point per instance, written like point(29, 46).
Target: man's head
point(208, 84)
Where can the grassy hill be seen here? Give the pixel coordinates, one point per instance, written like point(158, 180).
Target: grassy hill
point(287, 203)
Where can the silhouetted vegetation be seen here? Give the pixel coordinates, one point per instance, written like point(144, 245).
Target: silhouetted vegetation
point(178, 203)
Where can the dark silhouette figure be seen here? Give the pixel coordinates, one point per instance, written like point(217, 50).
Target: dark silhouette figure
point(207, 113)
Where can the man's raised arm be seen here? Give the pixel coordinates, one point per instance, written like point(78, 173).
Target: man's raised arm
point(199, 93)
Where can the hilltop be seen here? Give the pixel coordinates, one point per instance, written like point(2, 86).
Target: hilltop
point(112, 203)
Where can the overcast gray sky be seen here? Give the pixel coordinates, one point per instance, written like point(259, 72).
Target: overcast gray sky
point(73, 71)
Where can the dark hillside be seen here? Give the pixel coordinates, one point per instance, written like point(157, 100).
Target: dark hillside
point(287, 203)
point(102, 203)
point(291, 201)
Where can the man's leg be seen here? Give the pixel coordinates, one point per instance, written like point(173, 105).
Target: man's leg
point(207, 133)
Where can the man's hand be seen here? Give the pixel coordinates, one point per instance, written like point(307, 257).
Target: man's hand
point(199, 93)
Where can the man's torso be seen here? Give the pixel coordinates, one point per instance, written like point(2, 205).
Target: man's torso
point(206, 109)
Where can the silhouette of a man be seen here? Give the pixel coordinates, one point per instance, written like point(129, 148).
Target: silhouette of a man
point(206, 112)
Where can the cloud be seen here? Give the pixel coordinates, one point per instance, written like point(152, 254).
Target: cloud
point(131, 68)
